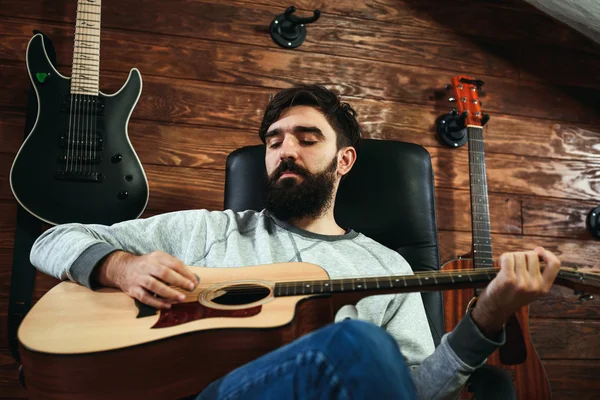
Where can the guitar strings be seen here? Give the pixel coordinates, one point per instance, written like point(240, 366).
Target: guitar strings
point(248, 288)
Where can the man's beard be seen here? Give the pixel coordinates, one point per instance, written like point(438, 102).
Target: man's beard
point(309, 195)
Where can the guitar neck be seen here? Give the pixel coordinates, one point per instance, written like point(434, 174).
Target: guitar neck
point(573, 277)
point(480, 211)
point(86, 54)
point(369, 286)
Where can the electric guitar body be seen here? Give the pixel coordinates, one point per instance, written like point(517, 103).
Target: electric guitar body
point(77, 164)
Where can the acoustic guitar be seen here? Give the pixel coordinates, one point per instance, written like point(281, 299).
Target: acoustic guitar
point(518, 357)
point(77, 163)
point(76, 343)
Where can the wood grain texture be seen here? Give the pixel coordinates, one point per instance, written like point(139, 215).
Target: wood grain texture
point(392, 121)
point(8, 220)
point(569, 374)
point(566, 339)
point(417, 48)
point(556, 218)
point(411, 84)
point(580, 252)
point(512, 21)
point(561, 302)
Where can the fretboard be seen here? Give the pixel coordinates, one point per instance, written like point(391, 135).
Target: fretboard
point(86, 54)
point(420, 282)
point(480, 212)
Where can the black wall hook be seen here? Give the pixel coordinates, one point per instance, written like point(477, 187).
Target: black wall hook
point(593, 222)
point(289, 30)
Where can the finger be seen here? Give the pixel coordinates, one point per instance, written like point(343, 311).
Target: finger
point(507, 263)
point(520, 266)
point(180, 268)
point(142, 295)
point(168, 275)
point(164, 291)
point(533, 265)
point(552, 265)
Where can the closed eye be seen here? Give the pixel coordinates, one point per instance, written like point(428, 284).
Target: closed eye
point(304, 142)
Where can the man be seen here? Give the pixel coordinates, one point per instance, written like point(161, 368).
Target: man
point(311, 140)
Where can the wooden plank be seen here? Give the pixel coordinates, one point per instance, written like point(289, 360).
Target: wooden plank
point(177, 188)
point(393, 121)
point(9, 384)
point(556, 218)
point(162, 55)
point(573, 375)
point(503, 20)
point(574, 393)
point(213, 20)
point(508, 173)
point(562, 303)
point(453, 209)
point(578, 68)
point(579, 252)
point(8, 220)
point(566, 339)
point(407, 84)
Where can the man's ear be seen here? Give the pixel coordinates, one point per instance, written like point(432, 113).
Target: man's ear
point(346, 159)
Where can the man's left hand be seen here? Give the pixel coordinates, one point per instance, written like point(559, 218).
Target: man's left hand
point(519, 282)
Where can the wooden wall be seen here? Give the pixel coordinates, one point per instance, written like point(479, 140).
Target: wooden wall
point(209, 68)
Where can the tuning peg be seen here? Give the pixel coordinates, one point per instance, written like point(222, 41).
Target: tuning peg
point(484, 119)
point(451, 99)
point(583, 297)
point(462, 118)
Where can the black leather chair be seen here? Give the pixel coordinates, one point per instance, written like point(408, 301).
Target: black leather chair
point(388, 196)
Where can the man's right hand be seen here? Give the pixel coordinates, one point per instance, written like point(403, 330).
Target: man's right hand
point(142, 276)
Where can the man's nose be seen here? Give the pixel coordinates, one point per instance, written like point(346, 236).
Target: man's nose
point(288, 149)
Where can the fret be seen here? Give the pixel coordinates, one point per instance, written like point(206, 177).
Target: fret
point(89, 4)
point(353, 288)
point(377, 282)
point(88, 12)
point(86, 20)
point(405, 283)
point(435, 279)
point(82, 63)
point(85, 33)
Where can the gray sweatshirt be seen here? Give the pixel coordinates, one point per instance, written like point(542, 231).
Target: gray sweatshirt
point(225, 239)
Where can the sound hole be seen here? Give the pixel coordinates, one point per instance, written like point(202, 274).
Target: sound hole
point(240, 294)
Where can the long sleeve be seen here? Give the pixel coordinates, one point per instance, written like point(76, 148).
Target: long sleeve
point(73, 250)
point(443, 374)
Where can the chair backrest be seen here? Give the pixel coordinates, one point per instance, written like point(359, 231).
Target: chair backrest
point(388, 196)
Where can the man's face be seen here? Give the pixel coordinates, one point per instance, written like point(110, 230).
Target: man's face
point(302, 164)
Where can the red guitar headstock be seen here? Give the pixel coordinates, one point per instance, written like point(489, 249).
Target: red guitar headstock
point(466, 95)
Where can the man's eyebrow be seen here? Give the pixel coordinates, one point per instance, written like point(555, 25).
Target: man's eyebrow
point(297, 129)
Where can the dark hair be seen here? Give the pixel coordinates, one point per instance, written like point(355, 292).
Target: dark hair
point(340, 116)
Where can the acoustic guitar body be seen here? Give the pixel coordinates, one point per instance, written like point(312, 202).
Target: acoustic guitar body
point(81, 344)
point(528, 376)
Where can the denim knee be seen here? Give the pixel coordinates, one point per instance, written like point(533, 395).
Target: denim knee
point(365, 342)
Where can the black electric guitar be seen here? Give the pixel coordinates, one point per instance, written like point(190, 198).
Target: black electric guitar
point(77, 164)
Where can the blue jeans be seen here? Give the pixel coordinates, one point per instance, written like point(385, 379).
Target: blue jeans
point(348, 360)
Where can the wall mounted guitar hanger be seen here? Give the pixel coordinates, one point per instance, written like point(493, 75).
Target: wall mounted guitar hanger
point(289, 30)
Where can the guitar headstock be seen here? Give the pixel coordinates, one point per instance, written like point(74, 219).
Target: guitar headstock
point(466, 95)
